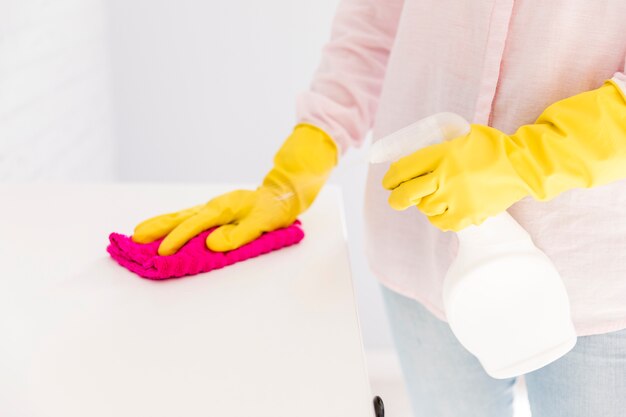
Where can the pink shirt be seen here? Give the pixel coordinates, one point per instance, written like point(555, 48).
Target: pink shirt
point(496, 62)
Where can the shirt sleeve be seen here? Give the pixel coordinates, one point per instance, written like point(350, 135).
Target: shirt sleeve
point(343, 95)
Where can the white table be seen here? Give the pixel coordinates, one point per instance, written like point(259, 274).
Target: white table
point(82, 337)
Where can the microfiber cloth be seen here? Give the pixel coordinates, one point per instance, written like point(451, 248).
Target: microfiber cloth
point(194, 257)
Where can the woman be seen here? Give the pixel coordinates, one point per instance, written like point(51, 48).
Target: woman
point(544, 85)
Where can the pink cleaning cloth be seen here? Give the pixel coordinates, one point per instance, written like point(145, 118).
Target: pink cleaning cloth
point(194, 257)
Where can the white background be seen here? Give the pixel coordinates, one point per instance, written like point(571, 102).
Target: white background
point(156, 90)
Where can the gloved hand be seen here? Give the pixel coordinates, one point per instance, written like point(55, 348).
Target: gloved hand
point(576, 142)
point(301, 167)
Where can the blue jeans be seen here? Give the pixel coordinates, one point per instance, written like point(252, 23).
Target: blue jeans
point(443, 379)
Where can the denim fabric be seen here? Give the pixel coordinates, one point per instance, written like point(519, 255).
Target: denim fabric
point(445, 380)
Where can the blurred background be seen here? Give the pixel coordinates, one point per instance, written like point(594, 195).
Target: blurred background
point(156, 90)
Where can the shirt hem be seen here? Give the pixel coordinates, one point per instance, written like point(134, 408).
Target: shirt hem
point(581, 330)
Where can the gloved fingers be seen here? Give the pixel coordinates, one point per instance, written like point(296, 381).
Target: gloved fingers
point(433, 206)
point(441, 222)
point(232, 236)
point(156, 227)
point(450, 216)
point(219, 211)
point(415, 165)
point(411, 192)
point(448, 221)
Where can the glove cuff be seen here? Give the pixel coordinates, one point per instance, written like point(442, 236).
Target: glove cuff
point(302, 164)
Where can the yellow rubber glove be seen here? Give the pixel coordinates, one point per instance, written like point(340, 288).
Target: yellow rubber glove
point(301, 167)
point(578, 142)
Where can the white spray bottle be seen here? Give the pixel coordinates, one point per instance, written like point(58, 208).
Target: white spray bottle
point(503, 298)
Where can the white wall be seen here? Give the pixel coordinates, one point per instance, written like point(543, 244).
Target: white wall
point(204, 91)
point(55, 121)
point(201, 91)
